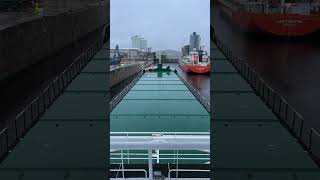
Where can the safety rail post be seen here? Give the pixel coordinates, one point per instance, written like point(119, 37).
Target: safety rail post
point(310, 140)
point(301, 128)
point(315, 152)
point(150, 166)
point(131, 170)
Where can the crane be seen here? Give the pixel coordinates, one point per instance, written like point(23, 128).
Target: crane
point(116, 56)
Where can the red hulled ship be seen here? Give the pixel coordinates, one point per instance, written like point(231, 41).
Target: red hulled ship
point(197, 62)
point(278, 17)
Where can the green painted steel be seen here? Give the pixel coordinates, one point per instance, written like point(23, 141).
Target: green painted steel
point(230, 82)
point(160, 82)
point(156, 104)
point(163, 123)
point(223, 66)
point(160, 87)
point(173, 95)
point(96, 66)
point(69, 141)
point(160, 102)
point(145, 78)
point(88, 82)
point(249, 141)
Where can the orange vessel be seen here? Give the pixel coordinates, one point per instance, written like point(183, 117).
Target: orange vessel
point(274, 16)
point(196, 62)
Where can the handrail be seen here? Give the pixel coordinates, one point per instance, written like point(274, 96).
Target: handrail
point(160, 158)
point(201, 99)
point(313, 132)
point(186, 170)
point(166, 133)
point(26, 119)
point(288, 115)
point(160, 143)
point(131, 170)
point(165, 154)
point(121, 95)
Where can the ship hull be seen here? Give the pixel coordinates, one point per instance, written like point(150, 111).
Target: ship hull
point(287, 25)
point(275, 23)
point(194, 68)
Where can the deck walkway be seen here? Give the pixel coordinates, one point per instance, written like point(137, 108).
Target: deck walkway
point(69, 141)
point(160, 103)
point(249, 140)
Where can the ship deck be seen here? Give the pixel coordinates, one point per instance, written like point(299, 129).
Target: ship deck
point(249, 140)
point(69, 140)
point(160, 103)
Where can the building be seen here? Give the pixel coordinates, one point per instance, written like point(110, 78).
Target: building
point(136, 42)
point(169, 54)
point(129, 53)
point(139, 43)
point(185, 50)
point(194, 41)
point(143, 44)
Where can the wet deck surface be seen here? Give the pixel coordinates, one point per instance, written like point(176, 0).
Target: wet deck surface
point(69, 141)
point(249, 141)
point(289, 65)
point(160, 103)
point(201, 82)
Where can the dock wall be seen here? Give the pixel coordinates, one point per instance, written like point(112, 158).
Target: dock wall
point(36, 39)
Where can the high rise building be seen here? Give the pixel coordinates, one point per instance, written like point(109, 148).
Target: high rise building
point(139, 43)
point(143, 44)
point(136, 42)
point(194, 41)
point(185, 50)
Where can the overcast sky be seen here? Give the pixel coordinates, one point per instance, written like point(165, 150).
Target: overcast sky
point(166, 24)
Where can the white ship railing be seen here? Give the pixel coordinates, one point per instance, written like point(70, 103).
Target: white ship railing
point(156, 141)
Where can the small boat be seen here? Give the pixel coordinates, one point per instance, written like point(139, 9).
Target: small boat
point(197, 62)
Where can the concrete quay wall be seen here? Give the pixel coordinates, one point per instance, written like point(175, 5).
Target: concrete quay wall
point(122, 73)
point(38, 38)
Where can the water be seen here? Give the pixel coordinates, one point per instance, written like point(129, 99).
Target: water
point(290, 66)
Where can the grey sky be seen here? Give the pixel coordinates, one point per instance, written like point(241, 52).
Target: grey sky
point(166, 24)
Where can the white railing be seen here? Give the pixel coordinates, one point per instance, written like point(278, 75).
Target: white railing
point(157, 133)
point(156, 141)
point(176, 155)
point(164, 142)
